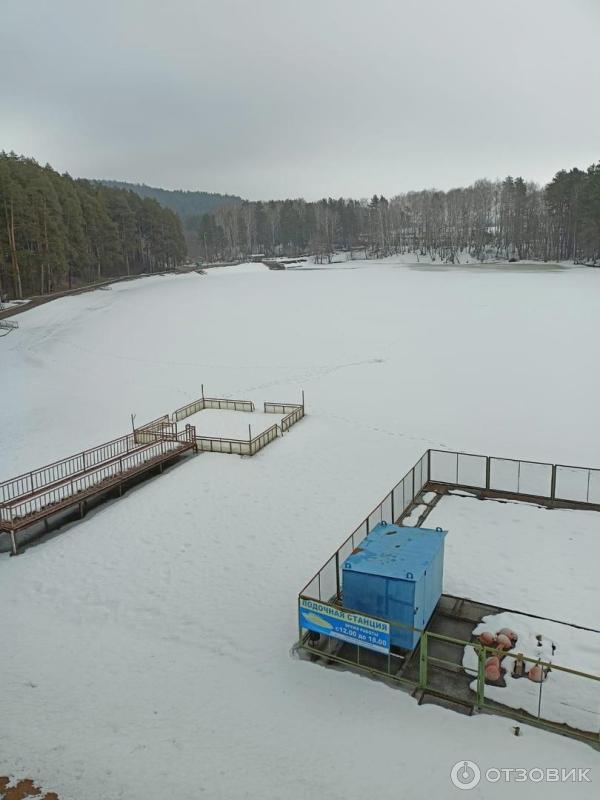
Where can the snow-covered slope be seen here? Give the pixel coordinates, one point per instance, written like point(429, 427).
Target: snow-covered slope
point(146, 650)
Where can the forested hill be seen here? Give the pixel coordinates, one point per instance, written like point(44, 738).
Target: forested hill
point(188, 205)
point(508, 219)
point(59, 233)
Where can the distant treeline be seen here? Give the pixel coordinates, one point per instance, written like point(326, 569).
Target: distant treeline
point(189, 205)
point(503, 219)
point(58, 233)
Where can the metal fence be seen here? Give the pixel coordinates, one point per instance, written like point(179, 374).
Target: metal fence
point(188, 410)
point(78, 487)
point(160, 428)
point(240, 447)
point(216, 444)
point(579, 486)
point(33, 481)
point(220, 403)
point(576, 713)
point(293, 413)
point(326, 584)
point(547, 482)
point(514, 476)
point(225, 404)
point(263, 439)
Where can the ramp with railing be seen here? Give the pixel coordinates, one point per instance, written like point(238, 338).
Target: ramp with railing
point(79, 479)
point(73, 481)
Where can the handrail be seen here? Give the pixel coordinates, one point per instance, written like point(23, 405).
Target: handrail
point(202, 403)
point(87, 482)
point(514, 460)
point(29, 483)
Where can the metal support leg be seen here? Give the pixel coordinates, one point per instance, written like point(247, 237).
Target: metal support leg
point(13, 540)
point(423, 662)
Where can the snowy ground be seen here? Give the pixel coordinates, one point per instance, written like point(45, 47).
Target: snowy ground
point(146, 649)
point(230, 424)
point(522, 556)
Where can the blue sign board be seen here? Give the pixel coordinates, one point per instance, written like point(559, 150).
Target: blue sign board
point(345, 625)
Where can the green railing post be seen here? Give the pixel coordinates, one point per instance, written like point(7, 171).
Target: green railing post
point(480, 677)
point(423, 662)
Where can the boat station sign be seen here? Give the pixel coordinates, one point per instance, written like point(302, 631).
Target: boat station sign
point(345, 625)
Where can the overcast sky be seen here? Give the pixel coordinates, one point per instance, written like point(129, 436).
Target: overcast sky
point(280, 98)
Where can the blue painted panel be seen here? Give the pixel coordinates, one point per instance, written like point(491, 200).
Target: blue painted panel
point(396, 573)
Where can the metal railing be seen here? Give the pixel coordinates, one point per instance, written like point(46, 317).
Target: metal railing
point(78, 487)
point(240, 447)
point(33, 481)
point(551, 483)
point(217, 444)
point(515, 476)
point(160, 428)
point(326, 584)
point(293, 413)
point(263, 439)
point(572, 714)
point(547, 482)
point(220, 403)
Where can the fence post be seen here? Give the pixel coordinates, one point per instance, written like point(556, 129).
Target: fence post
point(480, 677)
point(487, 472)
point(337, 574)
point(423, 662)
point(428, 465)
point(553, 483)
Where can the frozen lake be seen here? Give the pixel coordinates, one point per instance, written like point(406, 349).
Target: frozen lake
point(522, 556)
point(149, 646)
point(230, 424)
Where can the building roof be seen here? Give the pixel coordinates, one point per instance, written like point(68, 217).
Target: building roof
point(393, 551)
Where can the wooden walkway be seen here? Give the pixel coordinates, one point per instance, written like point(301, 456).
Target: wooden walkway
point(75, 481)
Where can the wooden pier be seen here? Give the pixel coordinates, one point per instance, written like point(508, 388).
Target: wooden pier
point(85, 477)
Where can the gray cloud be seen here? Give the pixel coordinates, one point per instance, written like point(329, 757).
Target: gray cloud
point(277, 98)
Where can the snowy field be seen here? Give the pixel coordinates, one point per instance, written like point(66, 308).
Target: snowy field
point(230, 424)
point(522, 556)
point(146, 650)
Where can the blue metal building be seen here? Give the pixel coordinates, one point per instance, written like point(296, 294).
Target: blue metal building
point(396, 574)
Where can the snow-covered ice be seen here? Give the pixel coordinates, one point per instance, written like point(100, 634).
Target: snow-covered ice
point(520, 556)
point(146, 650)
point(230, 424)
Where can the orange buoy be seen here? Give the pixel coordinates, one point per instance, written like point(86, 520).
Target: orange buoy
point(487, 638)
point(536, 673)
point(508, 632)
point(503, 642)
point(492, 669)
